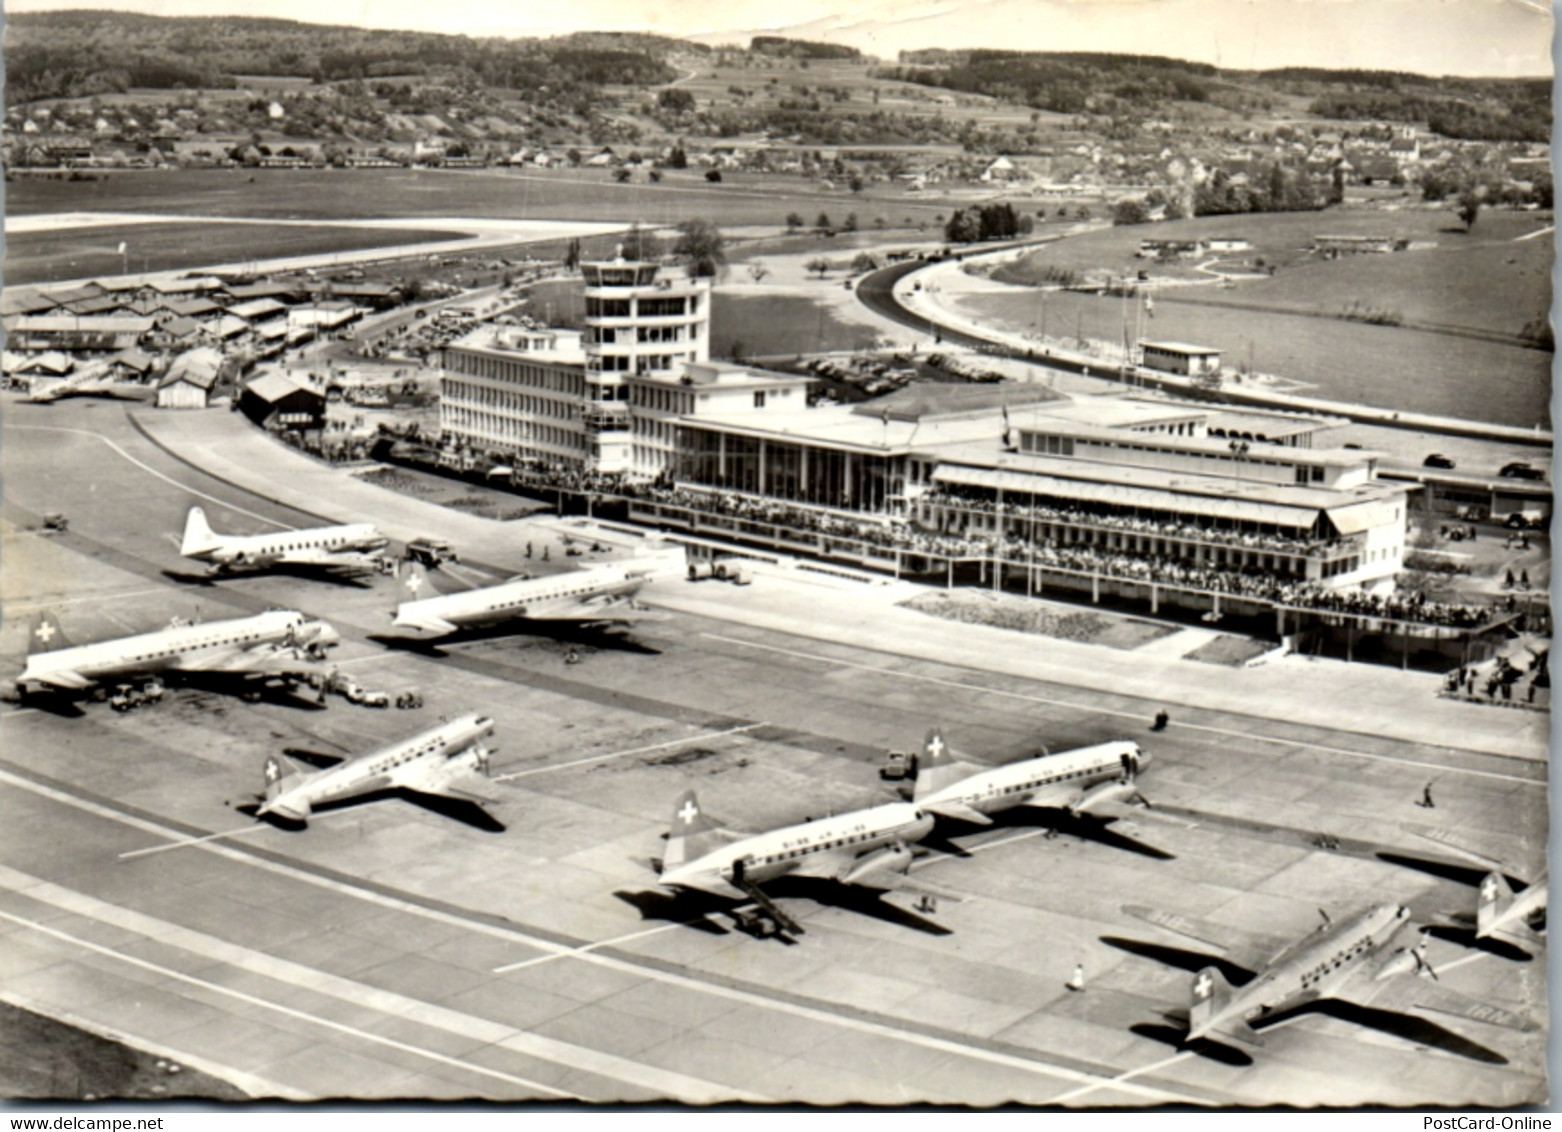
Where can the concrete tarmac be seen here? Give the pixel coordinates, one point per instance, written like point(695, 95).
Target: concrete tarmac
point(391, 950)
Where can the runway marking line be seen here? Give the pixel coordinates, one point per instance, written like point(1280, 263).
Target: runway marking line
point(1033, 1066)
point(300, 1015)
point(145, 467)
point(625, 754)
point(254, 827)
point(576, 951)
point(1084, 1090)
point(1053, 702)
point(388, 1002)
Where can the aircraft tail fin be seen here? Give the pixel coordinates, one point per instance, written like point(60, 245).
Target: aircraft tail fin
point(1207, 1017)
point(936, 769)
point(281, 772)
point(198, 534)
point(692, 833)
point(1496, 898)
point(47, 636)
point(416, 583)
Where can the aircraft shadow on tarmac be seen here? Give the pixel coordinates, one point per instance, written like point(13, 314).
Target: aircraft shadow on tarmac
point(562, 633)
point(1409, 1027)
point(457, 809)
point(251, 691)
point(68, 705)
point(1175, 1036)
point(1056, 822)
point(1464, 936)
point(1180, 958)
point(1470, 875)
point(694, 909)
point(303, 573)
point(691, 909)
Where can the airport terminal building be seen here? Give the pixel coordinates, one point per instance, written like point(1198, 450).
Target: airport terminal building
point(1110, 485)
point(1134, 492)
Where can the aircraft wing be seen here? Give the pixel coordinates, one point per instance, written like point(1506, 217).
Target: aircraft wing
point(67, 680)
point(604, 607)
point(327, 558)
point(437, 626)
point(1423, 994)
point(427, 777)
point(883, 868)
point(1245, 948)
point(260, 660)
point(957, 811)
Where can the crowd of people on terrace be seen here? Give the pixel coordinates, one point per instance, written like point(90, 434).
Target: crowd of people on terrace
point(1407, 606)
point(1136, 524)
point(892, 533)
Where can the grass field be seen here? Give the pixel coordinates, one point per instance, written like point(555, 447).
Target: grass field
point(325, 194)
point(41, 1059)
point(76, 253)
point(1390, 367)
point(1487, 280)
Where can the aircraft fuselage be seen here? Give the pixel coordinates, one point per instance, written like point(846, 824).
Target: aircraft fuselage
point(766, 856)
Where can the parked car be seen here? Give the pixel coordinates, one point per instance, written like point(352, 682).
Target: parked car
point(1437, 460)
point(1519, 470)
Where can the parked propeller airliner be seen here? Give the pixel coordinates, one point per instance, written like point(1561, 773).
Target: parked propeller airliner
point(596, 595)
point(1082, 781)
point(866, 848)
point(349, 547)
point(1355, 960)
point(275, 643)
point(431, 762)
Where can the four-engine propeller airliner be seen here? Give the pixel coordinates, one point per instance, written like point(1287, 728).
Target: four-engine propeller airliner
point(1355, 960)
point(867, 848)
point(275, 643)
point(432, 762)
point(1087, 780)
point(351, 546)
point(595, 596)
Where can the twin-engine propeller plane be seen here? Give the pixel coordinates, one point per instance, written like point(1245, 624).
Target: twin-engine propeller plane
point(351, 547)
point(433, 764)
point(869, 849)
point(278, 643)
point(1358, 960)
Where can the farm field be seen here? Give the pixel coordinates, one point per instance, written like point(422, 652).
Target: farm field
point(358, 194)
point(1463, 304)
point(76, 253)
point(1487, 279)
point(1387, 366)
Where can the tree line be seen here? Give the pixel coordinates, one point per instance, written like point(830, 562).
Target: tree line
point(62, 55)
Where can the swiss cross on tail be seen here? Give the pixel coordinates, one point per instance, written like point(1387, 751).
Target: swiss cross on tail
point(688, 811)
point(47, 635)
point(1489, 888)
point(1203, 986)
point(935, 748)
point(415, 581)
